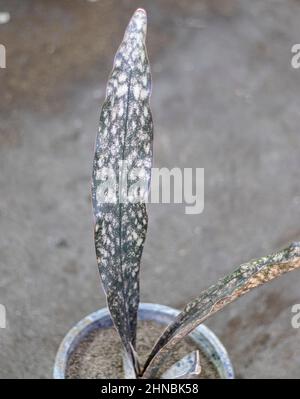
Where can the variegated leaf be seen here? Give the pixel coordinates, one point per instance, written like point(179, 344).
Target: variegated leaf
point(245, 278)
point(121, 178)
point(187, 367)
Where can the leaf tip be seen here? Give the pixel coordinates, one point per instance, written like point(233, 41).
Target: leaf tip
point(294, 249)
point(140, 10)
point(137, 24)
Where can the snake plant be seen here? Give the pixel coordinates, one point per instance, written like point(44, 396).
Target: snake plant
point(124, 146)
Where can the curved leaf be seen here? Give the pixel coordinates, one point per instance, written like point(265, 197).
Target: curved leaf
point(248, 276)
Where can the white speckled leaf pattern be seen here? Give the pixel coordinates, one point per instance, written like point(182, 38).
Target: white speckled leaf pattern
point(125, 133)
point(247, 277)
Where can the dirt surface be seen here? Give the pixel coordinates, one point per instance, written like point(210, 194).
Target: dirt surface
point(100, 354)
point(225, 98)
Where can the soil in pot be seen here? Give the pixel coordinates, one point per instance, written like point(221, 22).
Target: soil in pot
point(99, 354)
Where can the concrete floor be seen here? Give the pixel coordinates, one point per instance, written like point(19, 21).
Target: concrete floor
point(224, 98)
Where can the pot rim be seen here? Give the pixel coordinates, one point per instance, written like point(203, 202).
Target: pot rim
point(202, 335)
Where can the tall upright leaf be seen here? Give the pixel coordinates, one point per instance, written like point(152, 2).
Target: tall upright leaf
point(121, 178)
point(248, 276)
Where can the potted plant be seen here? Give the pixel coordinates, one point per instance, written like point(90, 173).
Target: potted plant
point(105, 344)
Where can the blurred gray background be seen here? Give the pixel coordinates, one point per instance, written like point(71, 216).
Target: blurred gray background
point(225, 98)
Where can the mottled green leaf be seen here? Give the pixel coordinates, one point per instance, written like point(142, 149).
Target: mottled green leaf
point(245, 278)
point(121, 178)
